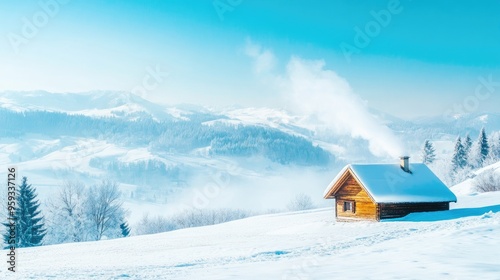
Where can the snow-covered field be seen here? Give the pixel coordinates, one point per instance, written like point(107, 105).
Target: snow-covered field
point(462, 243)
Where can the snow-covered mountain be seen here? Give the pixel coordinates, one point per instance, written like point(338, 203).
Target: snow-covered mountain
point(94, 104)
point(155, 150)
point(120, 104)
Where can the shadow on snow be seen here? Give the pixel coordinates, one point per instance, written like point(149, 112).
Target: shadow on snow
point(447, 215)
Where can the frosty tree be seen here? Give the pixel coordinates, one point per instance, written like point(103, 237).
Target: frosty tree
point(495, 145)
point(487, 181)
point(459, 157)
point(67, 219)
point(467, 143)
point(428, 152)
point(30, 228)
point(483, 148)
point(104, 210)
point(300, 202)
point(79, 213)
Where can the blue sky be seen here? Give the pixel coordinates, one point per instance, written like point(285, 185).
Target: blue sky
point(417, 51)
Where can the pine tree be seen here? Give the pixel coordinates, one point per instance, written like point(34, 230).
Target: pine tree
point(125, 229)
point(29, 222)
point(428, 152)
point(467, 143)
point(496, 152)
point(483, 146)
point(459, 159)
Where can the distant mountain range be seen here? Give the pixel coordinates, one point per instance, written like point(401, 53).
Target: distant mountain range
point(118, 135)
point(129, 106)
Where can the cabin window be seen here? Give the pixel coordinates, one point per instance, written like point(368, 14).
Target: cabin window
point(349, 206)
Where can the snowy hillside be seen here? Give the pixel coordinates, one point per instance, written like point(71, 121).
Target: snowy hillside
point(82, 134)
point(467, 187)
point(461, 243)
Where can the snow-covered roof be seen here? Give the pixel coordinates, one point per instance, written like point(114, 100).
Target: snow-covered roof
point(388, 183)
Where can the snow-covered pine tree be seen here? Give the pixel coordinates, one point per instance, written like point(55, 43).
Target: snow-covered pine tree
point(458, 160)
point(467, 143)
point(29, 221)
point(483, 146)
point(495, 145)
point(428, 153)
point(497, 150)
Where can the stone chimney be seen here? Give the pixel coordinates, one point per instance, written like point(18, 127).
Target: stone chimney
point(405, 163)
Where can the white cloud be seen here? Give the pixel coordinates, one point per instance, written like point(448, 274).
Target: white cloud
point(264, 60)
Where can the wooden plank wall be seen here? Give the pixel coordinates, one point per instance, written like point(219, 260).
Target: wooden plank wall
point(352, 191)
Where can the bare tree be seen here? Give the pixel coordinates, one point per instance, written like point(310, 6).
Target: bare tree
point(300, 202)
point(66, 217)
point(188, 218)
point(203, 217)
point(70, 196)
point(104, 209)
point(157, 224)
point(488, 181)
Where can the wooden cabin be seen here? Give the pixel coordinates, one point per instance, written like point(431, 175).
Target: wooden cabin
point(383, 191)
